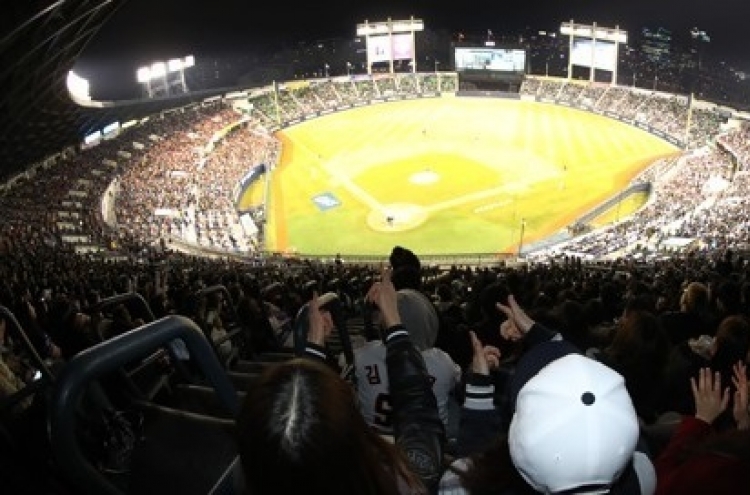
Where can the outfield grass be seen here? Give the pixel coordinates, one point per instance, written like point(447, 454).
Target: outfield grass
point(620, 210)
point(457, 175)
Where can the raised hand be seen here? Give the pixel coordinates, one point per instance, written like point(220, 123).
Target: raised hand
point(320, 322)
point(710, 399)
point(382, 293)
point(518, 323)
point(485, 358)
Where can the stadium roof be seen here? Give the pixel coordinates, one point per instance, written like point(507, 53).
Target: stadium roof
point(39, 43)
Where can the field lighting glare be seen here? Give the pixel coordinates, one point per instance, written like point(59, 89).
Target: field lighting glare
point(165, 78)
point(158, 69)
point(143, 75)
point(174, 65)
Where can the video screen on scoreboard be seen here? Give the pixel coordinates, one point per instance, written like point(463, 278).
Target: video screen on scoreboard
point(599, 55)
point(509, 60)
point(384, 48)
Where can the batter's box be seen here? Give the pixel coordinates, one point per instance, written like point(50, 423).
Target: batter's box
point(326, 201)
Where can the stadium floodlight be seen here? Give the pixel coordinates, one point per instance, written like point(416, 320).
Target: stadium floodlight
point(174, 65)
point(158, 69)
point(143, 74)
point(165, 78)
point(78, 87)
point(159, 75)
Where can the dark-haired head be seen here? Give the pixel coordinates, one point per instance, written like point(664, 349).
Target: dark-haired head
point(732, 344)
point(300, 431)
point(639, 343)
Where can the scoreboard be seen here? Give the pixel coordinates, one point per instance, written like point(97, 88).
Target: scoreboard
point(508, 60)
point(489, 68)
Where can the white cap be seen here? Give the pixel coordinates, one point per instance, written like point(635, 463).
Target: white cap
point(574, 426)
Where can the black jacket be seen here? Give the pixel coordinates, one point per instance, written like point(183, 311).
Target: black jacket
point(418, 430)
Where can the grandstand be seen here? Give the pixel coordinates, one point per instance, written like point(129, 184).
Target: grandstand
point(163, 229)
point(178, 175)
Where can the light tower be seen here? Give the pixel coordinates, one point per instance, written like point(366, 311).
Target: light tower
point(165, 78)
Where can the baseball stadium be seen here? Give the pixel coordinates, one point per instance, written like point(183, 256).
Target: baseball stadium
point(404, 172)
point(403, 262)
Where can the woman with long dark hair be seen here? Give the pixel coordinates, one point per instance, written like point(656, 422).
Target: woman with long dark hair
point(638, 351)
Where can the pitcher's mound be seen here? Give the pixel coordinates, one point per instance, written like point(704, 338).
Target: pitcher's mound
point(397, 217)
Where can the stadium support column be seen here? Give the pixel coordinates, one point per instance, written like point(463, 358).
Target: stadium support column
point(366, 31)
point(413, 48)
point(390, 46)
point(570, 48)
point(592, 65)
point(617, 54)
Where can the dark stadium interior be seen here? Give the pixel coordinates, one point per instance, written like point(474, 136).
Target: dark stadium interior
point(38, 49)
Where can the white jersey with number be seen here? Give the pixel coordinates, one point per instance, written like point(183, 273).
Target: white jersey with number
point(372, 383)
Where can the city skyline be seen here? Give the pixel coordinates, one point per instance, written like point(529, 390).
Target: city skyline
point(139, 33)
point(139, 29)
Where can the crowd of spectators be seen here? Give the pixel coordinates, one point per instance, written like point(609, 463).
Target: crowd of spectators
point(617, 311)
point(698, 197)
point(176, 177)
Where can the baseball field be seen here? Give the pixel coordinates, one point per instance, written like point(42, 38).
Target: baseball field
point(449, 175)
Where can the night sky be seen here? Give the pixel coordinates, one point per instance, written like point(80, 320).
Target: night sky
point(142, 31)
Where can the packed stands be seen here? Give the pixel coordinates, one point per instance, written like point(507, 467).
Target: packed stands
point(93, 281)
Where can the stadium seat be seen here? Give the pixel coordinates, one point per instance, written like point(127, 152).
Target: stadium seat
point(168, 454)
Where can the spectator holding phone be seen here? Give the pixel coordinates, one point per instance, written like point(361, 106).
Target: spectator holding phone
point(421, 320)
point(300, 430)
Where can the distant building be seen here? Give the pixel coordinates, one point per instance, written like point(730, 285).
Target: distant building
point(656, 45)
